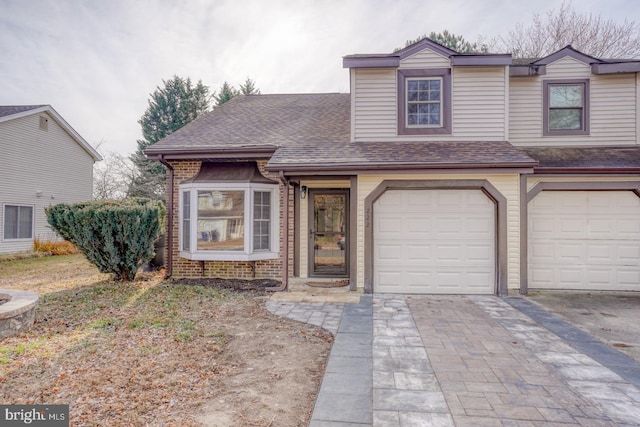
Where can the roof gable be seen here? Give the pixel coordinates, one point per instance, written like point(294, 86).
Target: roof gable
point(392, 60)
point(537, 66)
point(567, 51)
point(12, 112)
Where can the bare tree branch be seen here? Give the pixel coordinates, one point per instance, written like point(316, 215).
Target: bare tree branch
point(591, 34)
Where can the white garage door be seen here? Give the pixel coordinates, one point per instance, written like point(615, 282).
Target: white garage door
point(434, 241)
point(584, 240)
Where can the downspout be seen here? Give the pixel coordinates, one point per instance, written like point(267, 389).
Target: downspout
point(285, 237)
point(169, 269)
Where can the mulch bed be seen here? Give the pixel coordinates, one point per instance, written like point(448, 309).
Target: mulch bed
point(254, 285)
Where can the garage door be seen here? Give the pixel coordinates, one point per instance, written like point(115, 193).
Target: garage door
point(584, 240)
point(434, 241)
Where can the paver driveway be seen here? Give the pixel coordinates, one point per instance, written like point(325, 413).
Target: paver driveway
point(460, 361)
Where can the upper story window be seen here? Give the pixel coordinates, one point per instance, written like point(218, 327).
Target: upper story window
point(17, 222)
point(424, 101)
point(566, 107)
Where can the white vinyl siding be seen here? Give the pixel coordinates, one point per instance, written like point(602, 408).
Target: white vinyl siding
point(425, 59)
point(584, 240)
point(508, 185)
point(478, 105)
point(612, 108)
point(40, 168)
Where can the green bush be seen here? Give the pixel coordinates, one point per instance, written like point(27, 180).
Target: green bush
point(115, 236)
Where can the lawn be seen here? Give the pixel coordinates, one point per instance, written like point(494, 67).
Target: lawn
point(155, 352)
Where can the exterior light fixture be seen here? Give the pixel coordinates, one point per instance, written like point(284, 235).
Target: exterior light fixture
point(303, 192)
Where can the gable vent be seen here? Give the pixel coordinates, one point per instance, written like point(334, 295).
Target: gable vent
point(44, 123)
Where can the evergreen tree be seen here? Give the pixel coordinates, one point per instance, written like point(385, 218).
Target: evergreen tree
point(249, 88)
point(116, 236)
point(452, 41)
point(226, 93)
point(171, 107)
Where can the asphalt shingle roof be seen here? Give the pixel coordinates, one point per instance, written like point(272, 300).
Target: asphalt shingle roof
point(585, 157)
point(313, 131)
point(266, 120)
point(391, 155)
point(8, 110)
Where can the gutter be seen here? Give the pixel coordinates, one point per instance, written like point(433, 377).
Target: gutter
point(285, 238)
point(169, 269)
point(585, 170)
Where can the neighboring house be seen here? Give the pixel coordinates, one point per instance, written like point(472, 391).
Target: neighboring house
point(43, 161)
point(439, 173)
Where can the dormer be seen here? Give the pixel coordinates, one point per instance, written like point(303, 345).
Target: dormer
point(427, 91)
point(570, 98)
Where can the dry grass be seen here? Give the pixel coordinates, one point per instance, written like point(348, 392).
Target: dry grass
point(149, 352)
point(54, 248)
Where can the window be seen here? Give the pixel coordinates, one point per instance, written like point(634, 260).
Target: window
point(424, 101)
point(18, 222)
point(231, 221)
point(261, 221)
point(566, 107)
point(220, 220)
point(186, 220)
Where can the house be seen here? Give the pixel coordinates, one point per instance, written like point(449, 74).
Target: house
point(43, 162)
point(439, 172)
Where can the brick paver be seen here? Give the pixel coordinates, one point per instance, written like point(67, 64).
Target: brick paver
point(498, 367)
point(400, 361)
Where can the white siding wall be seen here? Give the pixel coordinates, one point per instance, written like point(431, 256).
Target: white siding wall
point(612, 107)
point(508, 185)
point(36, 160)
point(478, 102)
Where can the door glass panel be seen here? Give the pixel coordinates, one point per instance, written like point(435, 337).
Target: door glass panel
point(328, 234)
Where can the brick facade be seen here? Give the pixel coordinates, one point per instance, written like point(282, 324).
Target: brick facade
point(269, 269)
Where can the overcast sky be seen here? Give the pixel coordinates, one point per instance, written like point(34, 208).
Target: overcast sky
point(97, 61)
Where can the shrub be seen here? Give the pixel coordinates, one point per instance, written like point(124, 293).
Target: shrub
point(63, 247)
point(115, 236)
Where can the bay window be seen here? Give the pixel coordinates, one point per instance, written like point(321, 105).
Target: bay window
point(226, 220)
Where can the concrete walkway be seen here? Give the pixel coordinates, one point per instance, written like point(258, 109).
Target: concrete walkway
point(464, 361)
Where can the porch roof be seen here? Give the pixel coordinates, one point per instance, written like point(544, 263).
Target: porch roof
point(399, 155)
point(586, 159)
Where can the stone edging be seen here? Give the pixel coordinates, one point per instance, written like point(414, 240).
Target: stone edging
point(18, 313)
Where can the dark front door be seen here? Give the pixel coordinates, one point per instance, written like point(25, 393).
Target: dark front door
point(328, 242)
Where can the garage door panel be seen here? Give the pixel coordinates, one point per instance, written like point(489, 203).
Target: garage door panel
point(417, 225)
point(628, 226)
point(628, 254)
point(446, 237)
point(480, 253)
point(389, 252)
point(584, 240)
point(419, 252)
point(629, 278)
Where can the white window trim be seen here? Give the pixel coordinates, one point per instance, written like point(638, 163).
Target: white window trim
point(247, 254)
point(440, 102)
point(33, 222)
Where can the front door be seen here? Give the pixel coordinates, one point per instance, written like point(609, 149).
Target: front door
point(328, 244)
